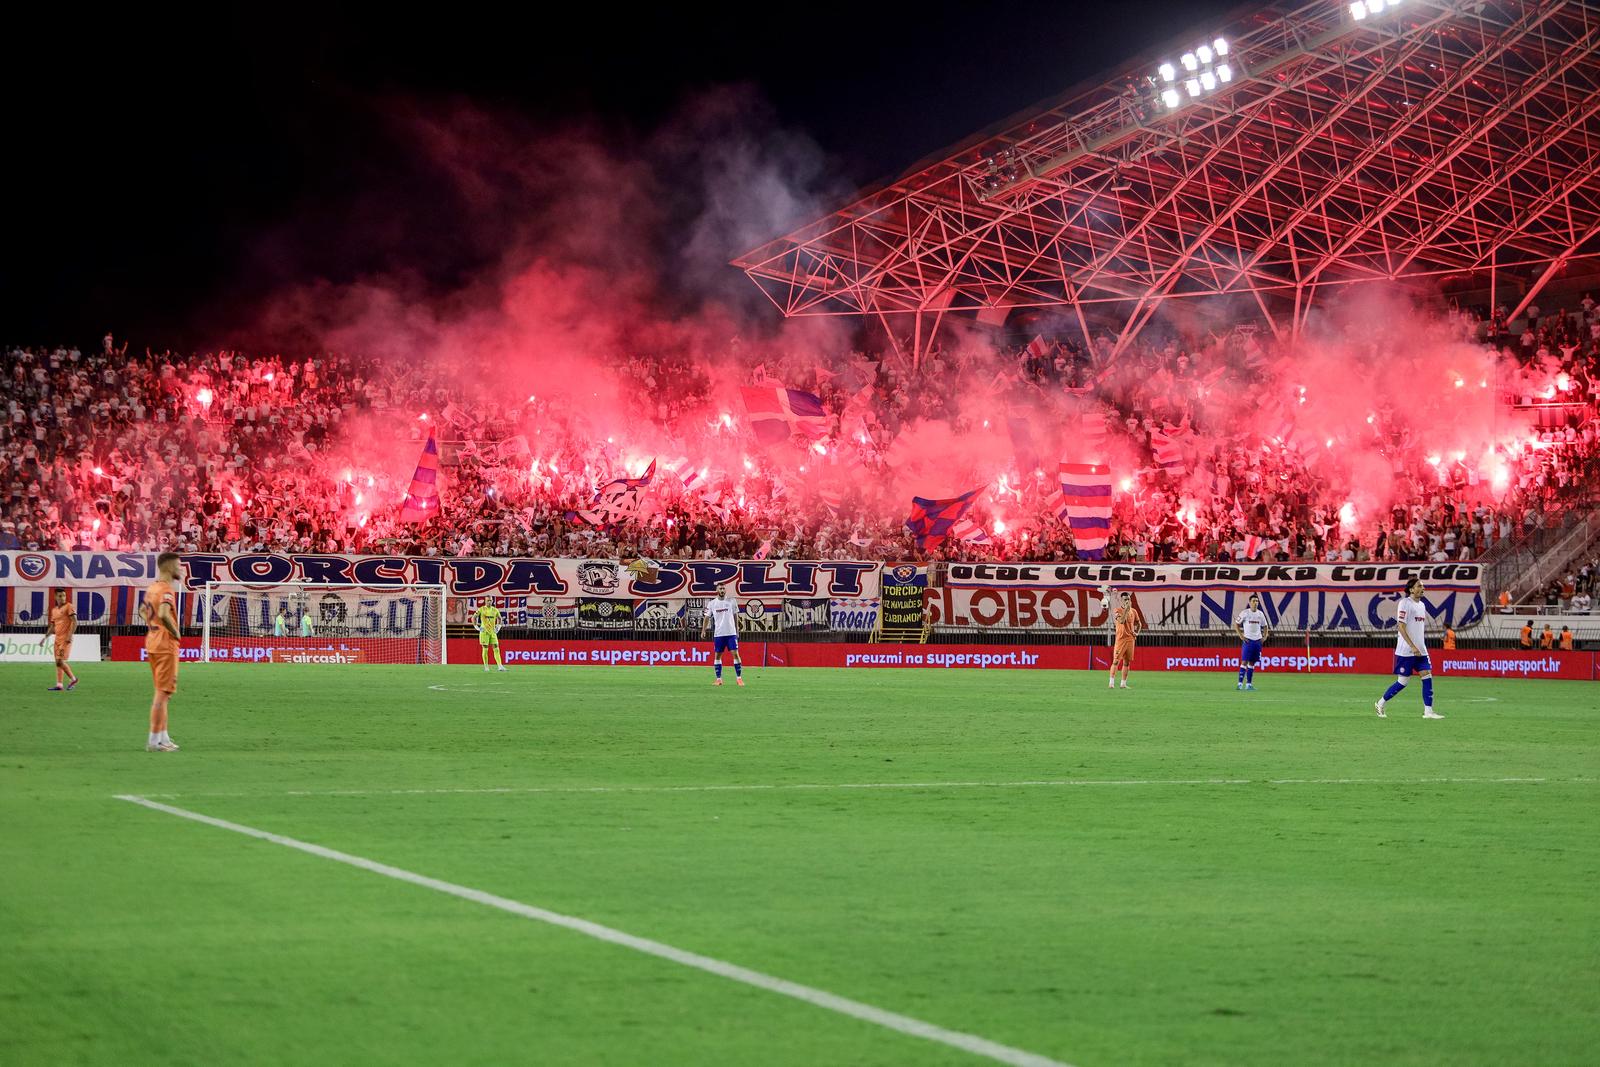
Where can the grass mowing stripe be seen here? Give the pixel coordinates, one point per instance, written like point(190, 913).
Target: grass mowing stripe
point(904, 1024)
point(814, 786)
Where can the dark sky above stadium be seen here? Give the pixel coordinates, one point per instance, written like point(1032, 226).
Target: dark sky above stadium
point(172, 166)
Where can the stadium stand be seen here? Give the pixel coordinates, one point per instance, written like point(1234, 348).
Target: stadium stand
point(109, 449)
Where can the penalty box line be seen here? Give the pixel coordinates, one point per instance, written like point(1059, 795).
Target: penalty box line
point(905, 1024)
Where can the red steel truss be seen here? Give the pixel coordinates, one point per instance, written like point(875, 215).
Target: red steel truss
point(1432, 139)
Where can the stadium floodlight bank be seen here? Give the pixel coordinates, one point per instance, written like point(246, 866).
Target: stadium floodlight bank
point(322, 622)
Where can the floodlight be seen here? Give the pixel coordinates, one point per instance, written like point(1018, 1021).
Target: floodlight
point(1166, 72)
point(1189, 62)
point(1224, 73)
point(1358, 10)
point(1170, 97)
point(1374, 6)
point(1208, 81)
point(1203, 53)
point(1220, 46)
point(1193, 85)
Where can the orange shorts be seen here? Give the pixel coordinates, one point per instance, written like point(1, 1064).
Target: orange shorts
point(164, 668)
point(63, 647)
point(1123, 653)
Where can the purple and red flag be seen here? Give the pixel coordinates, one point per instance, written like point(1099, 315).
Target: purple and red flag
point(931, 520)
point(776, 413)
point(1086, 496)
point(422, 499)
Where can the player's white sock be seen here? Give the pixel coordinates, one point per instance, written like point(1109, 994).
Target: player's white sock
point(155, 739)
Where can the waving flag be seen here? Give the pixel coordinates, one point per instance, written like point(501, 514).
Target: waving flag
point(1252, 546)
point(514, 448)
point(776, 413)
point(931, 520)
point(422, 499)
point(1086, 495)
point(1022, 445)
point(1039, 348)
point(1167, 444)
point(686, 473)
point(967, 530)
point(617, 500)
point(1092, 425)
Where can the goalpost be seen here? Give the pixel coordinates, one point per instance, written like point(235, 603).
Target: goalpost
point(321, 622)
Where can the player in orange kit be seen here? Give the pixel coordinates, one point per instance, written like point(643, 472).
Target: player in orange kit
point(63, 624)
point(161, 643)
point(1128, 626)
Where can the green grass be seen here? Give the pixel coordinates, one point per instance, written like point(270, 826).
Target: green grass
point(1397, 921)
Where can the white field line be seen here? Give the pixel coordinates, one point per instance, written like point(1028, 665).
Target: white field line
point(904, 1024)
point(775, 787)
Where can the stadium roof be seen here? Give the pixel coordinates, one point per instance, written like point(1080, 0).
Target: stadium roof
point(1423, 139)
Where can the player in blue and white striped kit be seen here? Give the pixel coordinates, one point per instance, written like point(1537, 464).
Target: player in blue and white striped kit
point(1411, 651)
point(1252, 628)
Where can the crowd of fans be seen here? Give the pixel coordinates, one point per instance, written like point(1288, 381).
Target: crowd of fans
point(110, 449)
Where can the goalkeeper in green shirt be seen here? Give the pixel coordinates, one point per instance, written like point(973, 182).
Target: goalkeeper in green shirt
point(487, 619)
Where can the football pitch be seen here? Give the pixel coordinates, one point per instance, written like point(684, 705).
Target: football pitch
point(569, 865)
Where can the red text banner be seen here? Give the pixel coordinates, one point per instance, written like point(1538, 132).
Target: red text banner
point(1288, 659)
point(1291, 659)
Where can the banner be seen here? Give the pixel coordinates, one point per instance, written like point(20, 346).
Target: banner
point(807, 614)
point(462, 576)
point(903, 587)
point(41, 648)
point(667, 615)
point(859, 615)
point(545, 612)
point(1328, 597)
point(1295, 659)
point(598, 614)
point(95, 606)
point(762, 653)
point(760, 616)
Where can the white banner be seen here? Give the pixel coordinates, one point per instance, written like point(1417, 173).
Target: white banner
point(40, 648)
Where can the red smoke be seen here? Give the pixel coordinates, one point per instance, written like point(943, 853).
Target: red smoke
point(609, 330)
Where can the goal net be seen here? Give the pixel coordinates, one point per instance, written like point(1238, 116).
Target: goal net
point(319, 622)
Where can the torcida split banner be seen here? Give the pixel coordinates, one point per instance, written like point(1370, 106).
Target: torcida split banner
point(461, 576)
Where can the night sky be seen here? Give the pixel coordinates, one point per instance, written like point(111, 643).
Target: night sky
point(170, 168)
